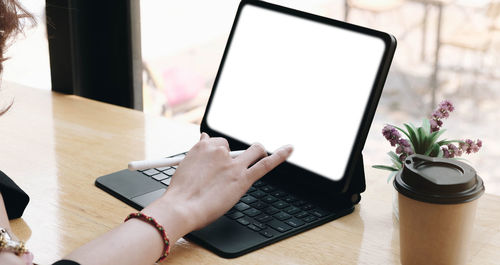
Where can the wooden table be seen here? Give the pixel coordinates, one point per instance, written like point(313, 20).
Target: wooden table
point(54, 146)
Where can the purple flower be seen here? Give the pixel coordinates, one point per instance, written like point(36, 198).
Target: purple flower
point(399, 149)
point(408, 150)
point(437, 115)
point(442, 112)
point(434, 126)
point(403, 149)
point(453, 148)
point(446, 104)
point(404, 143)
point(446, 152)
point(391, 134)
point(468, 146)
point(451, 151)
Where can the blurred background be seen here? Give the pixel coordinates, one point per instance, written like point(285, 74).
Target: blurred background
point(447, 49)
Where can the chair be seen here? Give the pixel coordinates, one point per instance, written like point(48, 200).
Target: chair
point(373, 6)
point(474, 33)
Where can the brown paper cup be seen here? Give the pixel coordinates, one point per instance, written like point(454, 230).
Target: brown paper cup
point(437, 205)
point(435, 233)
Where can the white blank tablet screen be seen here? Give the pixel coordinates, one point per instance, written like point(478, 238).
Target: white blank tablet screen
point(288, 80)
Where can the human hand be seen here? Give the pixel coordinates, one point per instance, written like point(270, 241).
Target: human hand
point(208, 182)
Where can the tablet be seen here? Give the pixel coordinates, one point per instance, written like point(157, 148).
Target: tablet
point(294, 78)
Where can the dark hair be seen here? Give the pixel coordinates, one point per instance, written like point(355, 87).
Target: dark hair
point(11, 13)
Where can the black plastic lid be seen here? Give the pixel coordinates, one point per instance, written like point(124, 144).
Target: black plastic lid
point(438, 180)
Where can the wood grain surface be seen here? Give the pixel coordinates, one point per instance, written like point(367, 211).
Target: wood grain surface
point(55, 146)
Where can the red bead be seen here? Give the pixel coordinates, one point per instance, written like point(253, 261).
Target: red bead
point(161, 230)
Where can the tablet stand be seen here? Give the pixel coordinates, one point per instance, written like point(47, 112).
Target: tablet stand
point(358, 184)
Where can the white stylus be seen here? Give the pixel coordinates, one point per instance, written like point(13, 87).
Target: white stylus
point(166, 162)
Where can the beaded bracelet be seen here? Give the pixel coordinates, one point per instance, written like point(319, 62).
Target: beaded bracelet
point(153, 222)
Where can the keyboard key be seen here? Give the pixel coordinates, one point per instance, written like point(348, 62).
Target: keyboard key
point(263, 218)
point(299, 203)
point(302, 214)
point(151, 172)
point(267, 188)
point(280, 204)
point(319, 213)
point(278, 193)
point(241, 206)
point(282, 216)
point(160, 176)
point(166, 181)
point(253, 227)
point(268, 233)
point(292, 210)
point(307, 207)
point(271, 210)
point(310, 218)
point(235, 215)
point(252, 212)
point(279, 226)
point(243, 221)
point(259, 225)
point(259, 205)
point(269, 199)
point(169, 171)
point(258, 194)
point(294, 222)
point(289, 199)
point(162, 168)
point(248, 199)
point(252, 189)
point(259, 183)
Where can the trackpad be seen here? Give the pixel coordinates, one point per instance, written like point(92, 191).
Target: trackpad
point(145, 199)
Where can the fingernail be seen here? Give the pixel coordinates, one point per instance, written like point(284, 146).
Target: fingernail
point(204, 135)
point(288, 147)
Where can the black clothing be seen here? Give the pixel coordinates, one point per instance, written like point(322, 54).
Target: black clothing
point(66, 262)
point(16, 200)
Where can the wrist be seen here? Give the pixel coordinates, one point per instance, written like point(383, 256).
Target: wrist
point(172, 215)
point(10, 258)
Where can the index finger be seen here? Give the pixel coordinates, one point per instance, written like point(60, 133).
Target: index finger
point(269, 163)
point(253, 153)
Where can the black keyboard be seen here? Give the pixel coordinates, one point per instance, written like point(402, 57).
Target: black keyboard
point(264, 208)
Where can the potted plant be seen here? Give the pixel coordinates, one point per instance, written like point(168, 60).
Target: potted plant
point(424, 140)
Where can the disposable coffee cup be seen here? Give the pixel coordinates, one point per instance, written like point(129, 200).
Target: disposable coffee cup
point(437, 206)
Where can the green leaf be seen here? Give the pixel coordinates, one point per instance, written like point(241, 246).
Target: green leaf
point(440, 153)
point(412, 137)
point(435, 136)
point(395, 160)
point(391, 176)
point(385, 167)
point(445, 142)
point(393, 155)
point(401, 130)
point(427, 126)
point(422, 141)
point(433, 151)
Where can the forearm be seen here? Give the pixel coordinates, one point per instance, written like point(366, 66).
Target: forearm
point(207, 183)
point(135, 241)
